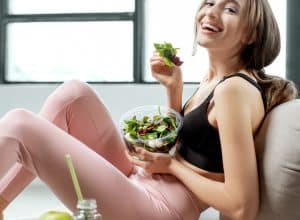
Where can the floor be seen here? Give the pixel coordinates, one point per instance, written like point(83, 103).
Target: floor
point(37, 199)
point(32, 203)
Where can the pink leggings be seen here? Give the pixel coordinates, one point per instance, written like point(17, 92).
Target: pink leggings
point(74, 121)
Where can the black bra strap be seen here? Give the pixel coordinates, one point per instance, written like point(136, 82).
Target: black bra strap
point(249, 79)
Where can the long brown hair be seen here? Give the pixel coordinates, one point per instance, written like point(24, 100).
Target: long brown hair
point(262, 29)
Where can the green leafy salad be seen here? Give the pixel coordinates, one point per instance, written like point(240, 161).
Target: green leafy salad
point(168, 53)
point(156, 133)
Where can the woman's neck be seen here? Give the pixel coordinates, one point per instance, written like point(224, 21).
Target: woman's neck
point(222, 65)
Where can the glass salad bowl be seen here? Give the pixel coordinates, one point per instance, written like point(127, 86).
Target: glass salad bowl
point(152, 127)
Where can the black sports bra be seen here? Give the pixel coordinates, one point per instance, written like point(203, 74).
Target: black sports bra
point(199, 140)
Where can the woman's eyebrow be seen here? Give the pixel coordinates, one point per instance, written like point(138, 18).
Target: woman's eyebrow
point(234, 1)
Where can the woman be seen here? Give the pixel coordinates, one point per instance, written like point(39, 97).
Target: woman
point(215, 164)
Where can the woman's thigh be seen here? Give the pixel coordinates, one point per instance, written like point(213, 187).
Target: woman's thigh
point(41, 147)
point(76, 108)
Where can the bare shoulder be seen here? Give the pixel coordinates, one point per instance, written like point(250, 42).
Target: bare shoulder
point(237, 96)
point(235, 89)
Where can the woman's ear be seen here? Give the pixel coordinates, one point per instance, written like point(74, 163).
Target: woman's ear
point(250, 39)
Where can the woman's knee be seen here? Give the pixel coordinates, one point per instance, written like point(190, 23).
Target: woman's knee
point(73, 89)
point(17, 120)
point(67, 93)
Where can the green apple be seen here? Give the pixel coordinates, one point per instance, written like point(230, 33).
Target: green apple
point(56, 215)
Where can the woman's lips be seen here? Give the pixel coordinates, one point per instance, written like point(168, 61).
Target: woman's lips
point(210, 28)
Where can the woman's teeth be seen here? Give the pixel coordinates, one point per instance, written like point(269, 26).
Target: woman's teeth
point(211, 28)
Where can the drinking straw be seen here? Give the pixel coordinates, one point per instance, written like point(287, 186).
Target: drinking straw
point(74, 177)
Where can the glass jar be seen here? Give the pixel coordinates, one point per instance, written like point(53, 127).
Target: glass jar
point(87, 210)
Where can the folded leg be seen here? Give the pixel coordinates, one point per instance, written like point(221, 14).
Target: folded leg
point(75, 108)
point(41, 146)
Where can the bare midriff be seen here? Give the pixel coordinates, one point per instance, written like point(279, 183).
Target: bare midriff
point(211, 175)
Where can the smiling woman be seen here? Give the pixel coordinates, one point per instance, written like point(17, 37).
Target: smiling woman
point(214, 163)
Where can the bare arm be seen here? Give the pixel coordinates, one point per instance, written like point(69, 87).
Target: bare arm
point(171, 78)
point(174, 97)
point(237, 197)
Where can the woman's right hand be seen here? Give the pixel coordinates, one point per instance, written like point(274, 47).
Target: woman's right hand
point(170, 77)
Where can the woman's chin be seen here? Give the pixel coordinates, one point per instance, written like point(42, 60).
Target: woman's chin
point(204, 43)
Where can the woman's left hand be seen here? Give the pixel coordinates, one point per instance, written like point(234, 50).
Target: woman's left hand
point(151, 162)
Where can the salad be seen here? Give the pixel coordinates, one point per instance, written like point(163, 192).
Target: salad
point(168, 53)
point(156, 133)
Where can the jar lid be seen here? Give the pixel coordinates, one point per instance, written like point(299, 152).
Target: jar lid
point(87, 204)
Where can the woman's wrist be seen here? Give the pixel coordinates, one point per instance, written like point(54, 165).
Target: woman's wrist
point(175, 88)
point(174, 165)
point(175, 81)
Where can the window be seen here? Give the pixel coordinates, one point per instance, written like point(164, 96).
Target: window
point(56, 51)
point(102, 40)
point(55, 40)
point(68, 6)
point(173, 21)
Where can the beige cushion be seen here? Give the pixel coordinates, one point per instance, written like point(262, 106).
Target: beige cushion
point(278, 154)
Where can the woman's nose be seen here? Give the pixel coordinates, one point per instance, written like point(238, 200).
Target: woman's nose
point(212, 11)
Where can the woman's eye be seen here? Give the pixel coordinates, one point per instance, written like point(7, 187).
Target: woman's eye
point(231, 10)
point(209, 4)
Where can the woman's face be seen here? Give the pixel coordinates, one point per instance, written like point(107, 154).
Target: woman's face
point(221, 25)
